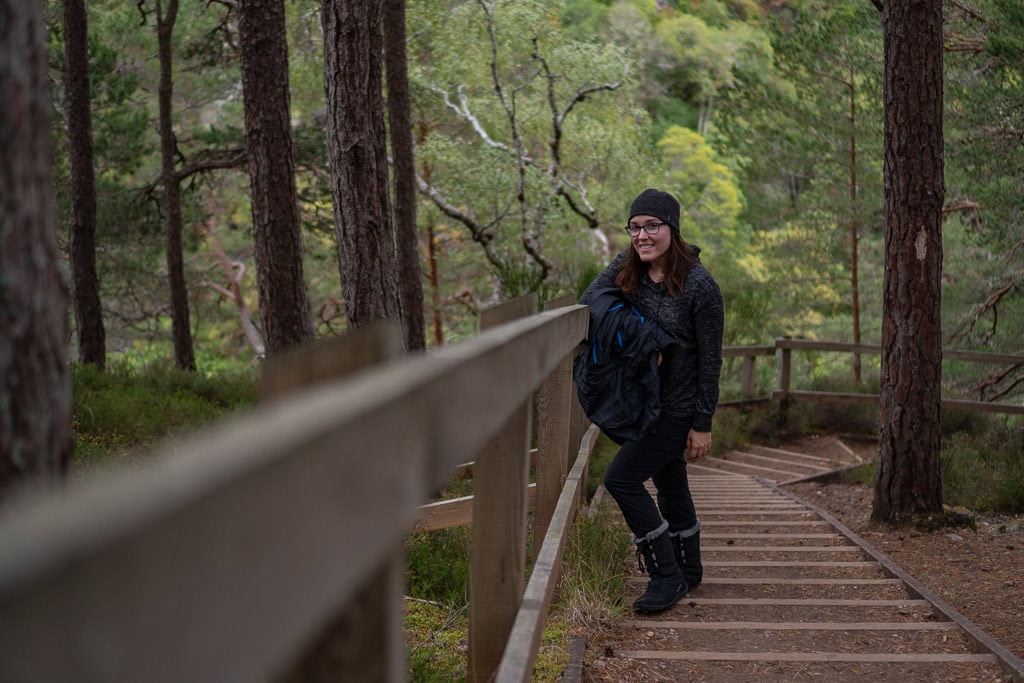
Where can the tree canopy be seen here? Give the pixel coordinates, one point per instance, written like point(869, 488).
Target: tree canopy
point(534, 124)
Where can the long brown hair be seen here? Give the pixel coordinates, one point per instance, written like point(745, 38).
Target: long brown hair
point(679, 259)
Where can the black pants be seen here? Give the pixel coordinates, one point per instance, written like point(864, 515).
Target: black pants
point(657, 456)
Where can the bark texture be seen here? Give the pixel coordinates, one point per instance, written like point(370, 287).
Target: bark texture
point(89, 329)
point(909, 480)
point(400, 124)
point(35, 389)
point(181, 333)
point(356, 143)
point(284, 304)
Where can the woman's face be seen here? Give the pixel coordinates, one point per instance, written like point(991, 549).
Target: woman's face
point(650, 248)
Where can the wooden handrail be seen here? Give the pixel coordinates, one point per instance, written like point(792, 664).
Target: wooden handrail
point(221, 558)
point(785, 346)
point(524, 641)
point(223, 555)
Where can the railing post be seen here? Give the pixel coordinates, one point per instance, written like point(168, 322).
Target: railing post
point(554, 406)
point(784, 356)
point(498, 557)
point(365, 640)
point(747, 376)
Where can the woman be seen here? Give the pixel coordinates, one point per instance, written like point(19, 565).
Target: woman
point(663, 277)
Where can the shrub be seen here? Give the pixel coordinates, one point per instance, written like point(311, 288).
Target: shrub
point(983, 470)
point(437, 565)
point(128, 407)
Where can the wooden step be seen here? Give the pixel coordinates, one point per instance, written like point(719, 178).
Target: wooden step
point(810, 656)
point(789, 593)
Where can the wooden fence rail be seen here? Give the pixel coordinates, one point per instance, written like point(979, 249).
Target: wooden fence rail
point(783, 351)
point(233, 549)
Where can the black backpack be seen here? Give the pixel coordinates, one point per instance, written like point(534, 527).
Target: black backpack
point(616, 369)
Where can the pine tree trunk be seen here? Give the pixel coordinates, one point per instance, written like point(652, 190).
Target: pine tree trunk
point(909, 480)
point(284, 304)
point(357, 149)
point(180, 329)
point(35, 390)
point(82, 221)
point(400, 122)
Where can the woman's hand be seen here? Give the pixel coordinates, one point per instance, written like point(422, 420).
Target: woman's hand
point(698, 444)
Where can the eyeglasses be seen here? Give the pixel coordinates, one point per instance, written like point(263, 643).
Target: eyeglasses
point(651, 228)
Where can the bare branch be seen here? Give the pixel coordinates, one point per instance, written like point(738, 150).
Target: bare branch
point(478, 230)
point(957, 44)
point(990, 306)
point(464, 113)
point(969, 11)
point(1014, 248)
point(140, 5)
point(234, 159)
point(992, 382)
point(234, 272)
point(528, 230)
point(962, 205)
point(555, 144)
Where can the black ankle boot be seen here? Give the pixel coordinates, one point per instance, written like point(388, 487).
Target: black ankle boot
point(688, 556)
point(667, 584)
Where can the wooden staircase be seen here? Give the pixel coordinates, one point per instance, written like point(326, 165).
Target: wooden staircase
point(791, 594)
point(780, 465)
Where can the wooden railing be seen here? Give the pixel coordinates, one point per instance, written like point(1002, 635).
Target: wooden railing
point(268, 546)
point(783, 351)
point(247, 551)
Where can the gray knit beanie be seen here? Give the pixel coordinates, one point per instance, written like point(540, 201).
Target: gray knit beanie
point(656, 203)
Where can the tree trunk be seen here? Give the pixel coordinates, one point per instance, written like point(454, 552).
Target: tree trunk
point(284, 305)
point(400, 121)
point(909, 479)
point(82, 220)
point(854, 228)
point(35, 390)
point(180, 328)
point(435, 285)
point(358, 155)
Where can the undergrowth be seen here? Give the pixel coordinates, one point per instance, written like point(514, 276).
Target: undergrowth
point(129, 407)
point(592, 591)
point(982, 469)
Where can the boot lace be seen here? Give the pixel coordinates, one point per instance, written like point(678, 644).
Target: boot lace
point(642, 561)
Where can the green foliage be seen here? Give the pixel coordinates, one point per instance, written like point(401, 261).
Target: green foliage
point(863, 474)
point(710, 199)
point(592, 591)
point(709, 52)
point(436, 642)
point(984, 172)
point(604, 453)
point(130, 407)
point(749, 101)
point(584, 19)
point(842, 418)
point(437, 565)
point(733, 428)
point(488, 102)
point(982, 470)
point(435, 637)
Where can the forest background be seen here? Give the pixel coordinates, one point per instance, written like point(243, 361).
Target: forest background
point(535, 123)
